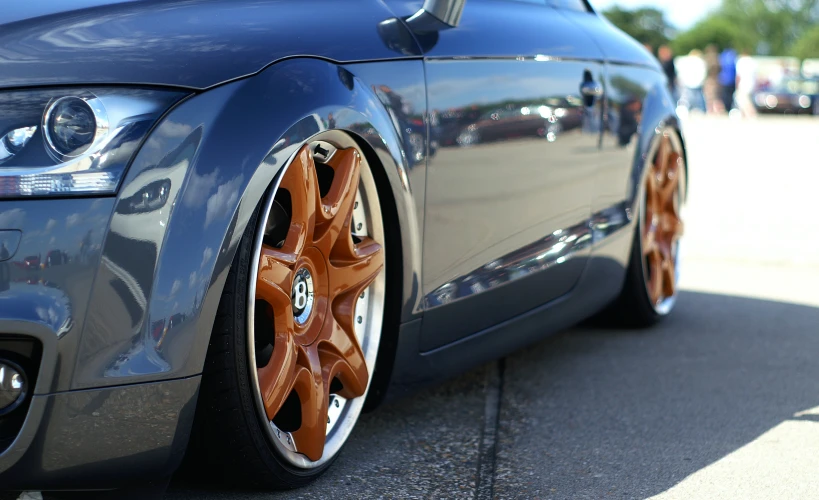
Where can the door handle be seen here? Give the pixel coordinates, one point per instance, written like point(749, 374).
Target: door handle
point(591, 89)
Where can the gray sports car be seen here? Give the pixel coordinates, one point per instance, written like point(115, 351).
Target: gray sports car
point(229, 227)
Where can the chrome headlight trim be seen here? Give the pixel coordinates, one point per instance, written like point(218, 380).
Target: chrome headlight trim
point(100, 119)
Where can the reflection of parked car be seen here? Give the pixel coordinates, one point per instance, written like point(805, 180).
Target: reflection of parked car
point(55, 258)
point(505, 123)
point(546, 119)
point(158, 330)
point(793, 95)
point(31, 262)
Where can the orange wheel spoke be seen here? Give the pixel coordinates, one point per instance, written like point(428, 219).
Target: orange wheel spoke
point(300, 181)
point(661, 163)
point(355, 275)
point(337, 206)
point(276, 379)
point(310, 436)
point(672, 227)
point(671, 179)
point(669, 278)
point(274, 281)
point(341, 357)
point(649, 242)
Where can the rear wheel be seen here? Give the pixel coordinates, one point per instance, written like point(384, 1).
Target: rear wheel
point(299, 325)
point(650, 290)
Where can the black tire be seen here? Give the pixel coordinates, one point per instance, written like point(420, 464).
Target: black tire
point(228, 443)
point(632, 308)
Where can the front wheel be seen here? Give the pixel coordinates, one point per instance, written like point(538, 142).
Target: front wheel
point(650, 290)
point(299, 324)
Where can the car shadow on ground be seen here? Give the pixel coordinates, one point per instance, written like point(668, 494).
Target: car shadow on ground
point(592, 412)
point(596, 413)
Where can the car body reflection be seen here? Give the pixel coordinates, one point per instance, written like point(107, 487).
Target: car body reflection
point(547, 118)
point(554, 249)
point(35, 300)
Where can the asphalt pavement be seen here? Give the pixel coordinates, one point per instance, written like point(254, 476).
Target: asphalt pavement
point(721, 400)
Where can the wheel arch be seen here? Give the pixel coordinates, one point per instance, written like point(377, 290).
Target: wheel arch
point(227, 173)
point(659, 116)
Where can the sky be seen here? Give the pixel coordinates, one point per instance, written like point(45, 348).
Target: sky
point(682, 14)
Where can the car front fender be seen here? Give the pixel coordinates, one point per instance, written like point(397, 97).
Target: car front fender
point(162, 271)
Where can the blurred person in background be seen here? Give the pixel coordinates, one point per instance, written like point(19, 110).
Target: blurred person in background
point(728, 77)
point(691, 73)
point(666, 57)
point(746, 84)
point(711, 88)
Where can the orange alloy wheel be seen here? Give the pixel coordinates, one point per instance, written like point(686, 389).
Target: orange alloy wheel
point(318, 300)
point(662, 224)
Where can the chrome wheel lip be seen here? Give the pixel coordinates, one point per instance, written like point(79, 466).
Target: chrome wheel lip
point(664, 307)
point(347, 411)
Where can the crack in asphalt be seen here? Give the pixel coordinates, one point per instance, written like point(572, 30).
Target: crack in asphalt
point(487, 453)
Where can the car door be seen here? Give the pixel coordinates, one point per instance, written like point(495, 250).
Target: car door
point(507, 204)
point(636, 101)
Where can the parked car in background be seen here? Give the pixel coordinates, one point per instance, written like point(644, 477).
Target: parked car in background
point(32, 262)
point(792, 95)
point(273, 225)
point(55, 258)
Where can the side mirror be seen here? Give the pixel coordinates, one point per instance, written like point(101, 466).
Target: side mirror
point(447, 11)
point(436, 15)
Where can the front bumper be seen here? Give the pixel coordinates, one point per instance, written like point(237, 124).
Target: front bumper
point(101, 438)
point(120, 344)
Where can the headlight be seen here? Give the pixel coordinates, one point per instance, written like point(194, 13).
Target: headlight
point(73, 141)
point(771, 101)
point(804, 101)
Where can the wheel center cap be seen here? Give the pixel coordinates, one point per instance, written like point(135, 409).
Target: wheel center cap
point(302, 295)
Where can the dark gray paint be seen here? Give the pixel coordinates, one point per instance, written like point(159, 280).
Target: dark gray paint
point(220, 150)
point(55, 297)
point(527, 141)
point(9, 242)
point(162, 272)
point(195, 44)
point(107, 438)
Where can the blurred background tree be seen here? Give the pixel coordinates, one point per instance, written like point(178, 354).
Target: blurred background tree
point(767, 27)
point(646, 24)
point(716, 30)
point(808, 44)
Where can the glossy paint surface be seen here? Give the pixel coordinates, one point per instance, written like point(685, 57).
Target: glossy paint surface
point(194, 44)
point(105, 438)
point(9, 242)
point(511, 179)
point(510, 195)
point(48, 280)
point(162, 270)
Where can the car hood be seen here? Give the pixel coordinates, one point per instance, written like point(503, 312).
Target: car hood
point(193, 44)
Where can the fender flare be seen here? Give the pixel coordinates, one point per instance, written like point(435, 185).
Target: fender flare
point(213, 139)
point(659, 116)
